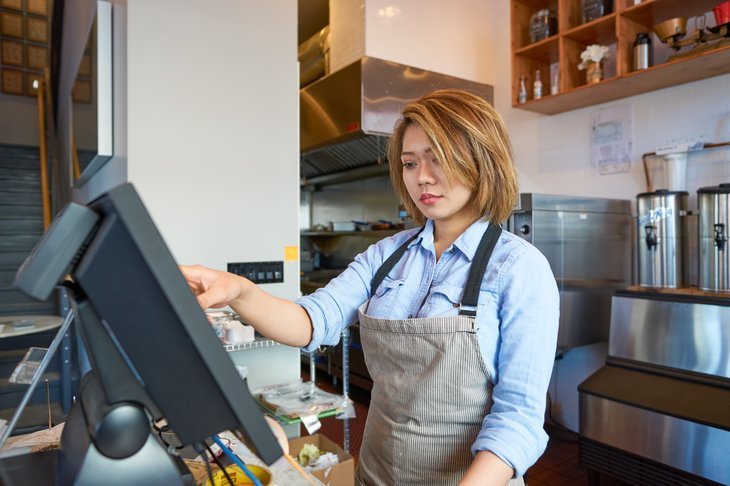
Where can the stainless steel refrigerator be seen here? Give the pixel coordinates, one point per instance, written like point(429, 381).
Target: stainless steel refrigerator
point(588, 242)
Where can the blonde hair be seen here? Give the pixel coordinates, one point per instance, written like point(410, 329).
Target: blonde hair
point(470, 141)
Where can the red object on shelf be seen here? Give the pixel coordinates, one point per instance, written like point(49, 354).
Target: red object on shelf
point(722, 13)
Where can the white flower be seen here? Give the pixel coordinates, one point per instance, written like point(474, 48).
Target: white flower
point(593, 53)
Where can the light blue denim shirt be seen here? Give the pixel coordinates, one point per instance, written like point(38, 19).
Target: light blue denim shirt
point(517, 321)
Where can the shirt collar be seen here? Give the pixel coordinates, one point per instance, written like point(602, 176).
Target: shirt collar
point(467, 242)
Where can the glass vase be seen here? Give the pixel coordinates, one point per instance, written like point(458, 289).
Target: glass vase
point(594, 72)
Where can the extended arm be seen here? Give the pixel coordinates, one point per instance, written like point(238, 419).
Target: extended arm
point(276, 318)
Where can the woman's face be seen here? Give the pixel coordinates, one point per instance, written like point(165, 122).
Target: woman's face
point(437, 198)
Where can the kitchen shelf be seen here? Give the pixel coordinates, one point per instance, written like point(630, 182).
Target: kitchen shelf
point(258, 343)
point(367, 234)
point(328, 241)
point(618, 30)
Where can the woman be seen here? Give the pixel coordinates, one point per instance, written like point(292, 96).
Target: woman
point(458, 319)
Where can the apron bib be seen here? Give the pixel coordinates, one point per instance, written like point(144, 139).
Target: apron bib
point(431, 389)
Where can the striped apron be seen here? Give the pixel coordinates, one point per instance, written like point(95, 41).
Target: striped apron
point(431, 389)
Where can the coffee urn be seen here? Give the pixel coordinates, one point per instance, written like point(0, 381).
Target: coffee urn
point(661, 230)
point(714, 206)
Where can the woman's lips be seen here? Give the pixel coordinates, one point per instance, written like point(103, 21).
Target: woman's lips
point(429, 199)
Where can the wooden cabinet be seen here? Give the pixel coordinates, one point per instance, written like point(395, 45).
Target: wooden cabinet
point(617, 30)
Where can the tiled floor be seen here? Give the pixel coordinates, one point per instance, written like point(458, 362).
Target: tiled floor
point(559, 464)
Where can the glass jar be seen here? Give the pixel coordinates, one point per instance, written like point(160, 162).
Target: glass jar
point(543, 24)
point(594, 9)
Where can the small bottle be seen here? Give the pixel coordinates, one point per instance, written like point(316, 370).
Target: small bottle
point(555, 85)
point(522, 97)
point(537, 86)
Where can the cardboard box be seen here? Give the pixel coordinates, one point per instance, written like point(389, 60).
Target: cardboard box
point(343, 474)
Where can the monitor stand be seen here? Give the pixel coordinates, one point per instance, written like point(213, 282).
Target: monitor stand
point(123, 450)
point(108, 436)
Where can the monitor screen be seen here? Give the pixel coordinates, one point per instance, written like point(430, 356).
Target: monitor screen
point(125, 272)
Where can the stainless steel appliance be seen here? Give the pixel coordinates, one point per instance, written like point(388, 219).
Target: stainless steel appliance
point(662, 242)
point(588, 244)
point(658, 412)
point(714, 206)
point(347, 116)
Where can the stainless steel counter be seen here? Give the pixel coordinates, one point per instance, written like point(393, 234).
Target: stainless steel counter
point(659, 411)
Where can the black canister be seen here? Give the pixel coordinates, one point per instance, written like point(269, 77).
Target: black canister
point(594, 9)
point(543, 24)
point(714, 205)
point(642, 51)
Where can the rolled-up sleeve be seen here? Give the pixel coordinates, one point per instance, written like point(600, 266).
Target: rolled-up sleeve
point(334, 307)
point(528, 319)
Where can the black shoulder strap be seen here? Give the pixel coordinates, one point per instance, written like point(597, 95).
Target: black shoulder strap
point(388, 265)
point(478, 267)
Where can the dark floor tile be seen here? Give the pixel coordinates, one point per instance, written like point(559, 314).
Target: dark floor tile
point(552, 477)
point(549, 461)
point(564, 451)
point(570, 469)
point(581, 481)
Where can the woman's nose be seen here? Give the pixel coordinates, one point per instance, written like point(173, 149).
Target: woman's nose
point(425, 174)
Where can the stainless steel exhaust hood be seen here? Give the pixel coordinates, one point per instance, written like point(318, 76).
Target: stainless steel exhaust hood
point(347, 116)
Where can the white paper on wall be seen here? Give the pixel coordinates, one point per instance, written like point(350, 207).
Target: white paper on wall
point(611, 139)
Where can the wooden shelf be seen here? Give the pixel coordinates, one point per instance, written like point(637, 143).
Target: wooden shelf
point(599, 31)
point(650, 12)
point(328, 241)
point(366, 234)
point(617, 29)
point(713, 63)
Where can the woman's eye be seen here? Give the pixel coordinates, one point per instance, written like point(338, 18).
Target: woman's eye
point(409, 165)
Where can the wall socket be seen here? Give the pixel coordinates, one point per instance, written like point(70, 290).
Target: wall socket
point(259, 272)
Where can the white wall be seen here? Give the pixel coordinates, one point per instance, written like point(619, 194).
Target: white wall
point(448, 37)
point(212, 106)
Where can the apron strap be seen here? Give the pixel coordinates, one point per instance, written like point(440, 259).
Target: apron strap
point(470, 300)
point(388, 265)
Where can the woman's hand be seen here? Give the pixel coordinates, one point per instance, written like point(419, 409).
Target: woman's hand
point(276, 318)
point(214, 288)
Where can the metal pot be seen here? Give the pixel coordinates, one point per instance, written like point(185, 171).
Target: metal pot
point(661, 230)
point(714, 205)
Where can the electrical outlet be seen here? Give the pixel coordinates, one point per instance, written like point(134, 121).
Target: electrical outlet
point(259, 272)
